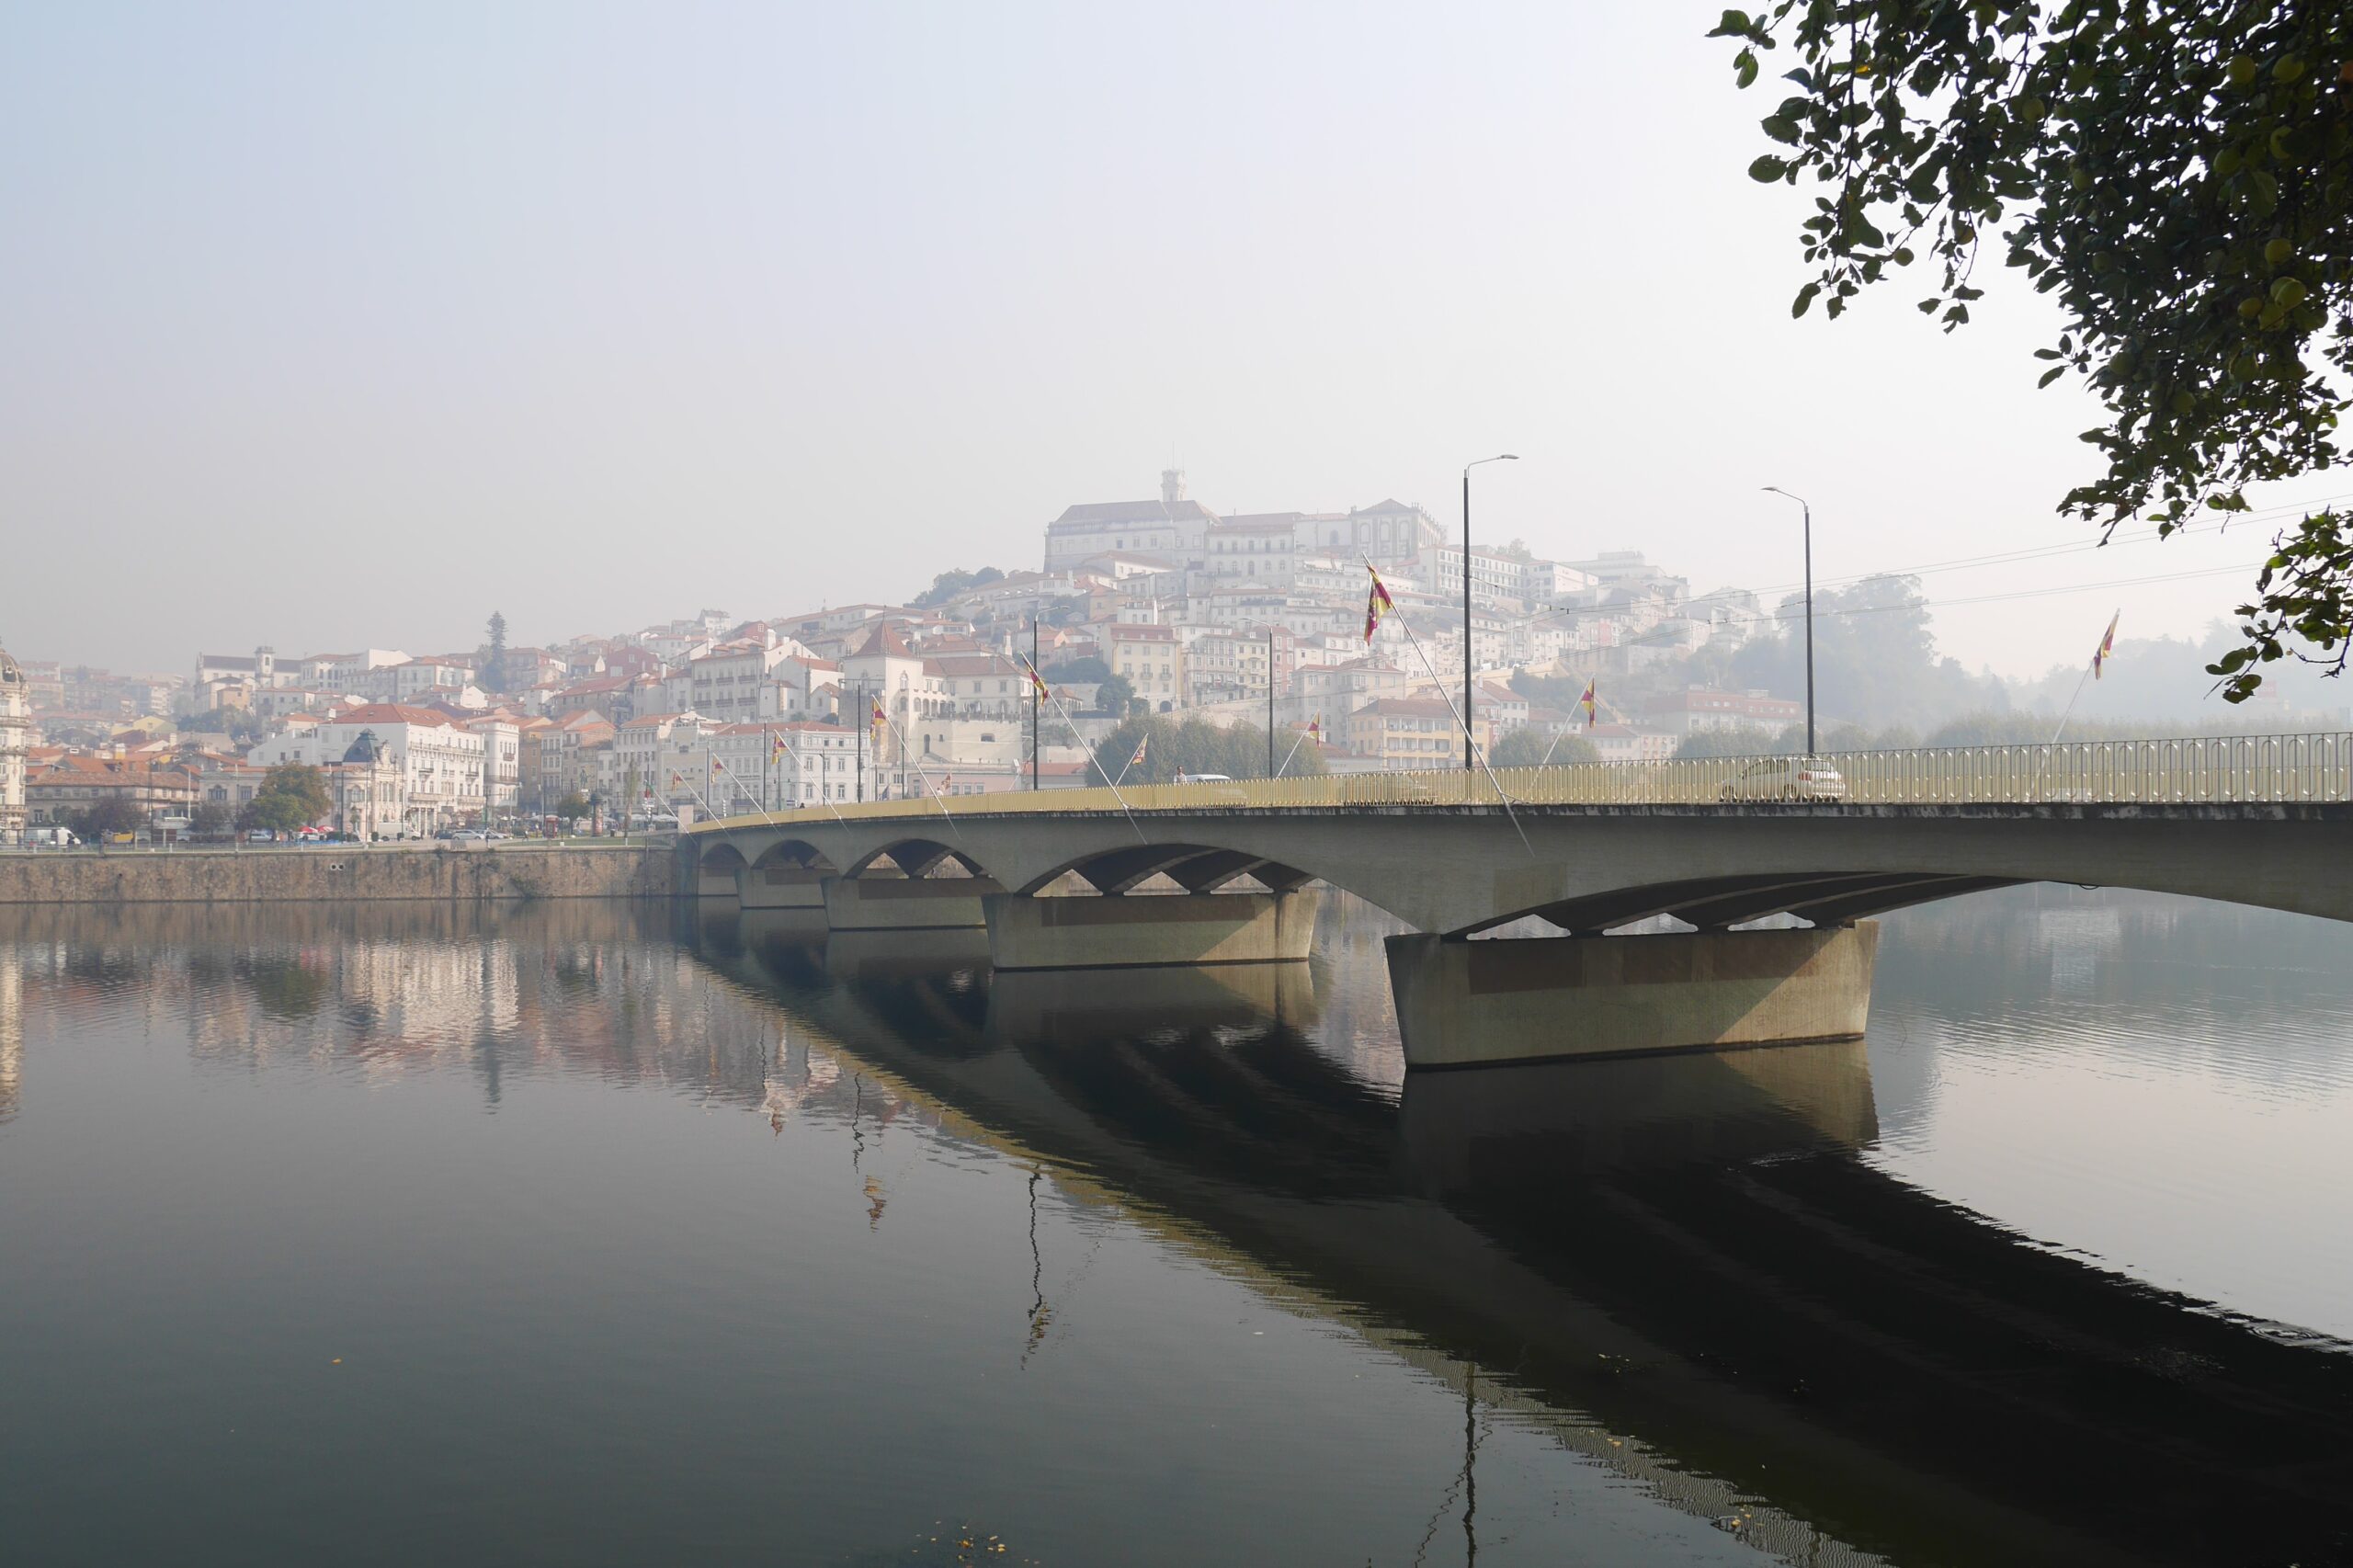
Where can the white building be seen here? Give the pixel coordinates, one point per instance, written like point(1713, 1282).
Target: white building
point(502, 745)
point(740, 769)
point(1172, 526)
point(440, 762)
point(16, 744)
point(1258, 548)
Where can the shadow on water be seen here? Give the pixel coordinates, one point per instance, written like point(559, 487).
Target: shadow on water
point(1676, 1265)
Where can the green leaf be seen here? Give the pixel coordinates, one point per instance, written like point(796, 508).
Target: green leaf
point(1804, 300)
point(1744, 66)
point(1767, 169)
point(2050, 376)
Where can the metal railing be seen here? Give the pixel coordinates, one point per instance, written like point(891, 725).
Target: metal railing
point(2210, 769)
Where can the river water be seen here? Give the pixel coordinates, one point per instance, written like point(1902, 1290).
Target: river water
point(591, 1233)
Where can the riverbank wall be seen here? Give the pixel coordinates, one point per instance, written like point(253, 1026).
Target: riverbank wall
point(507, 872)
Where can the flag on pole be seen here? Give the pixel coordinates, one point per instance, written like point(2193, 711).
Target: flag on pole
point(678, 780)
point(1590, 702)
point(877, 720)
point(946, 783)
point(1137, 760)
point(2106, 644)
point(1037, 681)
point(1376, 603)
point(1315, 728)
point(776, 746)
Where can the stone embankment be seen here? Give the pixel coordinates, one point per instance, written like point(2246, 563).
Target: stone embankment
point(338, 873)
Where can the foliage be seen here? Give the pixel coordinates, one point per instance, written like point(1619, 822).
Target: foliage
point(2174, 172)
point(211, 819)
point(1194, 745)
point(573, 804)
point(949, 584)
point(292, 795)
point(1529, 747)
point(106, 815)
point(1087, 671)
point(239, 724)
point(1875, 659)
point(1744, 740)
point(1116, 695)
point(494, 664)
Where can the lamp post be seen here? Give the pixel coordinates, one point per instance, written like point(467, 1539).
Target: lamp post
point(1807, 511)
point(1468, 760)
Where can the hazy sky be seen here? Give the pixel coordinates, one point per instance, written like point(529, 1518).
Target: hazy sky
point(331, 328)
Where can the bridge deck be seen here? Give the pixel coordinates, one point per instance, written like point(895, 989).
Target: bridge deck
point(2235, 771)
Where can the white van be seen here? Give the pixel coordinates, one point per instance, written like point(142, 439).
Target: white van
point(50, 838)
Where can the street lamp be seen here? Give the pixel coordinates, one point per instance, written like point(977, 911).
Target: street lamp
point(1808, 512)
point(1468, 760)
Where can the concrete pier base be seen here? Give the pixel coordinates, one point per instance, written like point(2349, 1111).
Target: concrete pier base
point(906, 904)
point(1468, 1004)
point(1150, 929)
point(781, 887)
point(1079, 1008)
point(858, 957)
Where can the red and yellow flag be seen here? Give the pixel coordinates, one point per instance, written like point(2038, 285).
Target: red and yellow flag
point(1137, 760)
point(1315, 728)
point(1376, 604)
point(776, 746)
point(2101, 654)
point(1037, 681)
point(1590, 703)
point(879, 718)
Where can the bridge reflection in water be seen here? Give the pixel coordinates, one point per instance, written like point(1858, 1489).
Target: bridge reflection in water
point(1675, 1264)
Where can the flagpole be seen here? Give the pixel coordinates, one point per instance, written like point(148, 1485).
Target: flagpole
point(1039, 684)
point(1133, 757)
point(703, 799)
point(1292, 753)
point(1593, 686)
point(1469, 742)
point(2093, 663)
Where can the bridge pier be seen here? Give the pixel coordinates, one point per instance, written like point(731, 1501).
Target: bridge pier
point(906, 904)
point(715, 883)
point(1137, 930)
point(782, 887)
point(1464, 1004)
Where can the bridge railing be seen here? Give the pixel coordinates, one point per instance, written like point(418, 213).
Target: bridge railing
point(2202, 769)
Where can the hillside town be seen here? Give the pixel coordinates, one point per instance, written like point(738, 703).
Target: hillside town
point(1145, 608)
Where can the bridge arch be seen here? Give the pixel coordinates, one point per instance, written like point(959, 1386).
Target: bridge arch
point(1196, 868)
point(914, 857)
point(792, 852)
point(1715, 903)
point(719, 857)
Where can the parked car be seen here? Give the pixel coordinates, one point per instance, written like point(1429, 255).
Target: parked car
point(467, 836)
point(1786, 778)
point(50, 836)
point(260, 835)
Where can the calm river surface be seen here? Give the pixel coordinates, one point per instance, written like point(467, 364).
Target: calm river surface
point(586, 1234)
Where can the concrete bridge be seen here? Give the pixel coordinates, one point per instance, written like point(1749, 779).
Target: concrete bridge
point(1228, 872)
